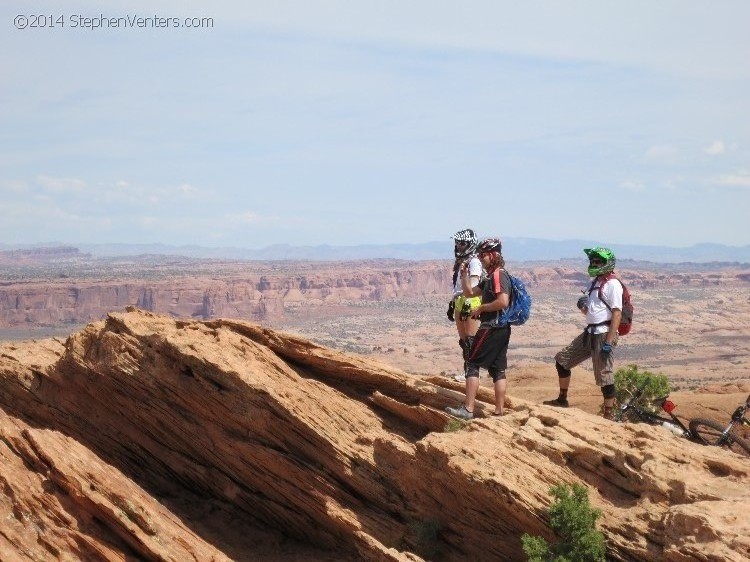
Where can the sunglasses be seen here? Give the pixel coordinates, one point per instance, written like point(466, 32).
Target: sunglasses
point(461, 243)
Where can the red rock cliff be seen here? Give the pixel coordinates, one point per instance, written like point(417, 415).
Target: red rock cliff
point(261, 296)
point(251, 297)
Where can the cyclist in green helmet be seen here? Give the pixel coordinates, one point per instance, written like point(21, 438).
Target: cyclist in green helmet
point(601, 261)
point(603, 311)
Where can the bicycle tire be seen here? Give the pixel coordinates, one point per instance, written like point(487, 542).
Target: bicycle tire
point(709, 432)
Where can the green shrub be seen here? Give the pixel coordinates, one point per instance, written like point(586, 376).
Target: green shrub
point(536, 548)
point(454, 425)
point(628, 379)
point(574, 521)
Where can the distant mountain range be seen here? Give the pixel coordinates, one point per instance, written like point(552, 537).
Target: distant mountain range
point(514, 249)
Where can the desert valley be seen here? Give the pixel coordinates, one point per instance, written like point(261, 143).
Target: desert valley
point(692, 320)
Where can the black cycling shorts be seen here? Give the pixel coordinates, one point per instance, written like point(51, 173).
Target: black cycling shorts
point(489, 350)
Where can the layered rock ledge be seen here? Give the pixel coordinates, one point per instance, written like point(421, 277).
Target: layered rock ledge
point(113, 443)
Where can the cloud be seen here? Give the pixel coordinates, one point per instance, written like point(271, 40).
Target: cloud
point(661, 153)
point(631, 185)
point(157, 194)
point(187, 190)
point(16, 186)
point(61, 185)
point(250, 217)
point(716, 148)
point(149, 222)
point(740, 179)
point(120, 191)
point(123, 191)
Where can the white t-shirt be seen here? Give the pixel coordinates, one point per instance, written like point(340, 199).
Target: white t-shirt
point(475, 270)
point(597, 311)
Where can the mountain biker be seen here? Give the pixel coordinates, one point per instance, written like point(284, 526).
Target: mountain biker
point(599, 338)
point(460, 307)
point(490, 346)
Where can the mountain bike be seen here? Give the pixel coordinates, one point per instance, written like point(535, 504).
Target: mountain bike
point(710, 432)
point(632, 410)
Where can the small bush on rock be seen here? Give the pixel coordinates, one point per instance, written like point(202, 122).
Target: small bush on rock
point(574, 521)
point(628, 379)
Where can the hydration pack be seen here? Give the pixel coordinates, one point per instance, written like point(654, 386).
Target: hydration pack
point(519, 308)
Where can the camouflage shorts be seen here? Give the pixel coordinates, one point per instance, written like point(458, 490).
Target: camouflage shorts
point(589, 345)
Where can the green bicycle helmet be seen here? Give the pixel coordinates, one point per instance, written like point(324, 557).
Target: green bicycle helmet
point(606, 256)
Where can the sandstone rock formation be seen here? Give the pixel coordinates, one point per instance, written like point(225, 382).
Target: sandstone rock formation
point(111, 441)
point(253, 296)
point(256, 292)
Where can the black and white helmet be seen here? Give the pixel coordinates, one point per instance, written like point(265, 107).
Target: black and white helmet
point(466, 243)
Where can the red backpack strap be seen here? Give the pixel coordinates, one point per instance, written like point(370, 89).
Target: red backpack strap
point(497, 280)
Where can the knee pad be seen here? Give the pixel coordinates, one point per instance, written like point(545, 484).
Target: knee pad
point(562, 372)
point(608, 391)
point(497, 375)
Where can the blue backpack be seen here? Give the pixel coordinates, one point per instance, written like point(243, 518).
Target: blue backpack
point(519, 309)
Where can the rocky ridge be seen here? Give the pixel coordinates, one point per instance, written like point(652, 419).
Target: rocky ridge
point(110, 440)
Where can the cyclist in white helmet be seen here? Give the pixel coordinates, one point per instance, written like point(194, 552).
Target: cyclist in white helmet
point(460, 307)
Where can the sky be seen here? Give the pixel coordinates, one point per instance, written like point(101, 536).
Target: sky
point(351, 122)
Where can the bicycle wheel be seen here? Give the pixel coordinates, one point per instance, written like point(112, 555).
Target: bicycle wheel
point(709, 432)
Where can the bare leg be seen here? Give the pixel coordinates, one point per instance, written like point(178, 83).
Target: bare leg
point(466, 327)
point(500, 386)
point(472, 385)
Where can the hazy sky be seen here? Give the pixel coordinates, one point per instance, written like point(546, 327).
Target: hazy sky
point(345, 122)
